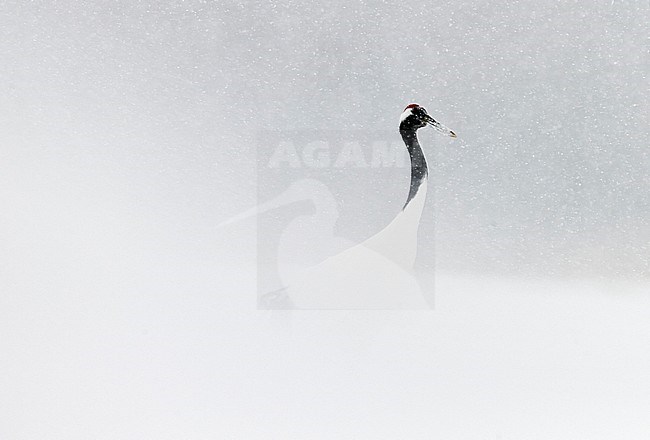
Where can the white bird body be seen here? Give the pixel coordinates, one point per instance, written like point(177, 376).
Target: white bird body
point(399, 239)
point(357, 278)
point(375, 274)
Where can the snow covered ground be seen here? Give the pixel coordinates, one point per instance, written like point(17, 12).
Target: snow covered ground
point(497, 359)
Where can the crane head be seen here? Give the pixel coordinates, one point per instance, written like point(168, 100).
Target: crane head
point(414, 117)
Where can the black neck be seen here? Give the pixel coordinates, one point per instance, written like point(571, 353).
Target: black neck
point(419, 169)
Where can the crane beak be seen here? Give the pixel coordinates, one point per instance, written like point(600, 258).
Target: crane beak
point(439, 127)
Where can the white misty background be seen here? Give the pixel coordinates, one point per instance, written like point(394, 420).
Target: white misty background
point(128, 131)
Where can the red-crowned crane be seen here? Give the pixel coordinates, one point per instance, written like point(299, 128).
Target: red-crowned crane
point(378, 273)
